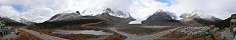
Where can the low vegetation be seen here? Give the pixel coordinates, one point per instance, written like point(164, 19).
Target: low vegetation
point(25, 36)
point(76, 36)
point(115, 37)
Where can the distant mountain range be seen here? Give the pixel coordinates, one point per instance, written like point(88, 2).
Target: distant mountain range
point(162, 18)
point(117, 17)
point(11, 22)
point(108, 15)
point(195, 19)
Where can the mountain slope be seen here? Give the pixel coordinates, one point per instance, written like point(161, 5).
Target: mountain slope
point(162, 19)
point(26, 22)
point(11, 22)
point(107, 15)
point(199, 19)
point(69, 19)
point(65, 17)
point(115, 17)
point(225, 23)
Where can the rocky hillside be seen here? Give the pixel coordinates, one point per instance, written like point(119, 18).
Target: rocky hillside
point(65, 17)
point(162, 19)
point(225, 23)
point(69, 19)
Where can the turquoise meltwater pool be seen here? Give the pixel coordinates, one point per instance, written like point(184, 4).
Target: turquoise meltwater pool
point(234, 36)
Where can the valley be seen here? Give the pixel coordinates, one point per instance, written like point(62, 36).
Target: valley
point(113, 24)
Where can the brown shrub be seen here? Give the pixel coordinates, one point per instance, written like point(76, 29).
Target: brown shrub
point(115, 37)
point(76, 36)
point(25, 36)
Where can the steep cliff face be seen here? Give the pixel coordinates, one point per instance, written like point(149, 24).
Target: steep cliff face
point(162, 19)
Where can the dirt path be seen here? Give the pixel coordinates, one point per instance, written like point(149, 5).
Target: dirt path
point(129, 36)
point(145, 37)
point(155, 26)
point(158, 35)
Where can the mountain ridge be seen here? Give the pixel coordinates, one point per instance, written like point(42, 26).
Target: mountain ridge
point(165, 18)
point(12, 22)
point(77, 18)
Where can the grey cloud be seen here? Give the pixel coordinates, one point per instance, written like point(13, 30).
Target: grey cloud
point(41, 10)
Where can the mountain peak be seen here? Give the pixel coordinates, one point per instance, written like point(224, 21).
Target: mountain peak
point(110, 11)
point(65, 16)
point(196, 19)
point(197, 15)
point(161, 18)
point(10, 21)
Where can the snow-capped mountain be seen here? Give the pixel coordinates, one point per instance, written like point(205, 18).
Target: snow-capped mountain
point(187, 17)
point(65, 17)
point(197, 19)
point(108, 15)
point(24, 21)
point(196, 14)
point(16, 20)
point(117, 17)
point(162, 18)
point(11, 21)
point(113, 12)
point(165, 18)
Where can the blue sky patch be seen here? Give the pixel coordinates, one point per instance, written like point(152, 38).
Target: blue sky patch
point(165, 1)
point(19, 8)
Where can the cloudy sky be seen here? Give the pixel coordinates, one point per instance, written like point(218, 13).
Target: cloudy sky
point(41, 10)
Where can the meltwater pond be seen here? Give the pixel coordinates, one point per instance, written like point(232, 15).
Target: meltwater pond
point(84, 32)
